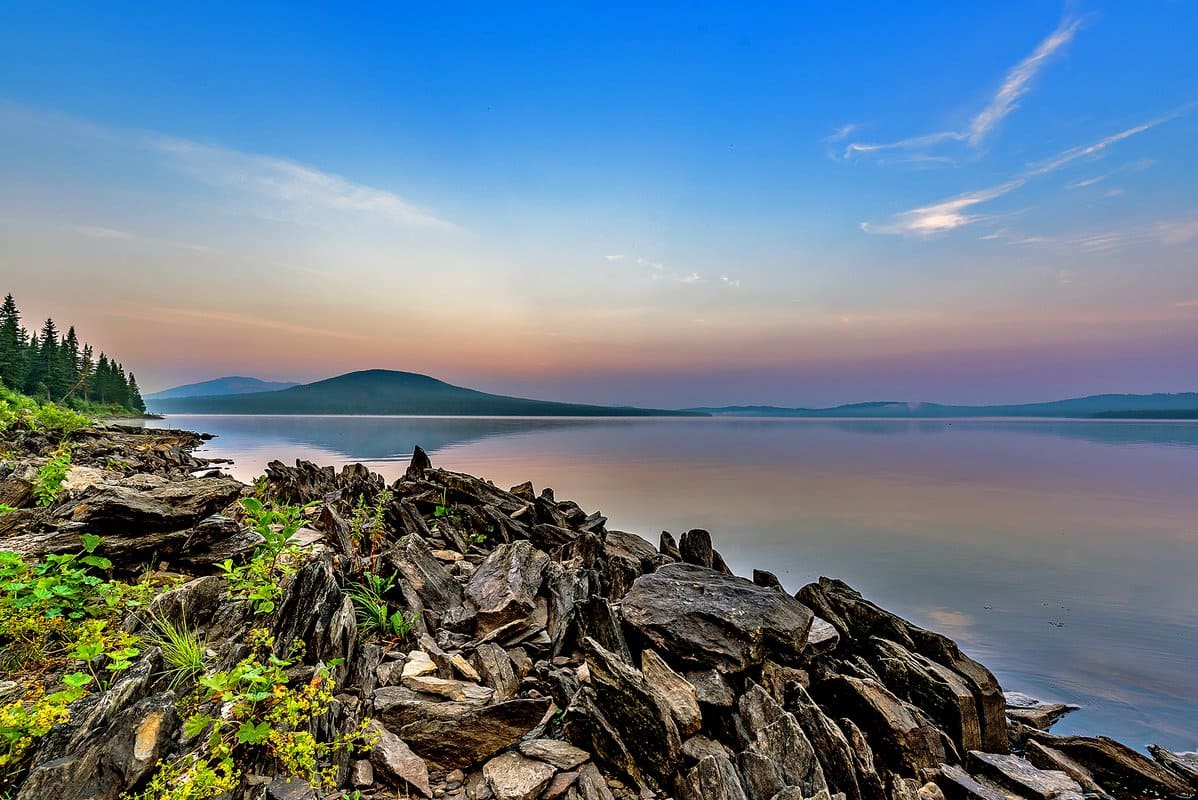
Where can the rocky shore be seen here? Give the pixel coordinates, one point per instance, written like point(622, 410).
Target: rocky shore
point(444, 637)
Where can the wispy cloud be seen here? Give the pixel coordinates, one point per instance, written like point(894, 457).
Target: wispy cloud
point(619, 257)
point(1187, 303)
point(692, 277)
point(1015, 85)
point(1087, 182)
point(957, 212)
point(97, 232)
point(653, 265)
point(168, 315)
point(730, 282)
point(100, 232)
point(290, 181)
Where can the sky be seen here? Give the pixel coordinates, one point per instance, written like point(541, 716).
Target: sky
point(656, 204)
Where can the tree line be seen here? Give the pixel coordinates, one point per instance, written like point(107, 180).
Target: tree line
point(48, 366)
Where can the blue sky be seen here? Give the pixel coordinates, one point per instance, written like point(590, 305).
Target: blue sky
point(687, 204)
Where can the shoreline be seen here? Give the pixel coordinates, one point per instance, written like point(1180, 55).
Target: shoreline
point(668, 674)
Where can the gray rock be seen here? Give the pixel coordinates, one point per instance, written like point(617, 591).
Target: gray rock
point(1018, 775)
point(1047, 758)
point(495, 668)
point(713, 778)
point(902, 736)
point(427, 577)
point(511, 776)
point(704, 618)
point(453, 733)
point(562, 755)
point(396, 761)
point(1184, 765)
point(361, 773)
point(1114, 764)
point(957, 784)
point(679, 695)
point(1037, 713)
point(505, 585)
point(449, 689)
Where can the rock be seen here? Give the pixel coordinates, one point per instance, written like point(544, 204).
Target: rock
point(767, 579)
point(831, 746)
point(505, 585)
point(361, 773)
point(704, 618)
point(905, 741)
point(713, 778)
point(511, 776)
point(464, 668)
point(822, 638)
point(562, 755)
point(711, 688)
point(856, 620)
point(1018, 775)
point(639, 712)
point(936, 689)
point(1184, 765)
point(1030, 711)
point(585, 724)
point(1117, 768)
point(957, 784)
point(455, 734)
point(1047, 758)
point(396, 761)
point(495, 668)
point(560, 784)
point(290, 789)
point(679, 695)
point(591, 785)
point(779, 754)
point(418, 664)
point(449, 689)
point(435, 587)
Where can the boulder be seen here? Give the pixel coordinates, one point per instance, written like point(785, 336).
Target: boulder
point(562, 755)
point(1020, 776)
point(705, 618)
point(396, 762)
point(505, 585)
point(1120, 770)
point(679, 695)
point(1037, 713)
point(455, 733)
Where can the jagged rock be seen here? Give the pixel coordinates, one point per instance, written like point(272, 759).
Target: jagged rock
point(427, 577)
point(418, 664)
point(638, 711)
point(906, 742)
point(1018, 775)
point(957, 784)
point(831, 746)
point(778, 754)
point(107, 755)
point(1030, 711)
point(1047, 758)
point(452, 733)
point(856, 620)
point(585, 724)
point(505, 585)
point(361, 773)
point(591, 785)
point(396, 761)
point(562, 755)
point(710, 688)
point(495, 668)
point(316, 612)
point(511, 776)
point(704, 618)
point(822, 638)
point(679, 695)
point(695, 548)
point(114, 511)
point(713, 778)
point(1120, 770)
point(936, 689)
point(1184, 765)
point(767, 579)
point(560, 784)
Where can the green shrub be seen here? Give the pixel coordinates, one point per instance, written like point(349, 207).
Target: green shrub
point(374, 615)
point(47, 485)
point(182, 650)
point(260, 579)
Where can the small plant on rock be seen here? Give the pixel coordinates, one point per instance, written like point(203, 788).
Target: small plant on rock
point(182, 650)
point(260, 579)
point(47, 485)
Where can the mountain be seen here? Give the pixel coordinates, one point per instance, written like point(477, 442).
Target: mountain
point(234, 384)
point(1105, 406)
point(380, 391)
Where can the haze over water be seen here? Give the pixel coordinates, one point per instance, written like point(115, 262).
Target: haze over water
point(1059, 553)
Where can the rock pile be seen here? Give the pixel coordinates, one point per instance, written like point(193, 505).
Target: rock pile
point(551, 657)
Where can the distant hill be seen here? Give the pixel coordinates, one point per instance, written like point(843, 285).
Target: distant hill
point(381, 391)
point(1104, 406)
point(234, 384)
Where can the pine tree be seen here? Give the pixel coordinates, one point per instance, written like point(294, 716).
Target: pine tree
point(135, 401)
point(12, 357)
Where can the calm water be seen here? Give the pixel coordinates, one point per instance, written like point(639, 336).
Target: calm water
point(1061, 554)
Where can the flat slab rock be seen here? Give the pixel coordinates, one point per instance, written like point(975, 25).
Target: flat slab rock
point(1031, 711)
point(704, 618)
point(1018, 775)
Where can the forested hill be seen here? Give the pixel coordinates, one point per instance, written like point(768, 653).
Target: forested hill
point(381, 391)
point(48, 365)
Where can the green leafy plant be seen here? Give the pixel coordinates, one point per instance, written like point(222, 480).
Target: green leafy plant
point(260, 714)
point(47, 484)
point(26, 720)
point(367, 520)
point(114, 649)
point(259, 580)
point(443, 509)
point(5, 508)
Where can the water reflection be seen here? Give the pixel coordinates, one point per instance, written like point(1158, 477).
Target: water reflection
point(1059, 553)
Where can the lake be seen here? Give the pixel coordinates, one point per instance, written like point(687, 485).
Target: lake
point(1061, 554)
